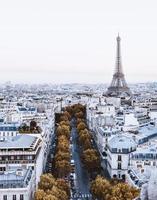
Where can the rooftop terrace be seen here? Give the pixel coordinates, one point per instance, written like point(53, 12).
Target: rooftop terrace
point(15, 178)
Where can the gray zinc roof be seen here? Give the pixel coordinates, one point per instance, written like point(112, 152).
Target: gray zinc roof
point(19, 141)
point(121, 141)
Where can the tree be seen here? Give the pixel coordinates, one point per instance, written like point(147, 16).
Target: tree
point(52, 189)
point(84, 137)
point(64, 147)
point(91, 159)
point(67, 114)
point(124, 191)
point(50, 197)
point(39, 194)
point(84, 132)
point(78, 120)
point(58, 193)
point(62, 138)
point(87, 144)
point(24, 128)
point(63, 144)
point(100, 188)
point(81, 126)
point(33, 125)
point(62, 156)
point(79, 107)
point(63, 130)
point(63, 185)
point(69, 109)
point(47, 181)
point(63, 168)
point(79, 115)
point(66, 123)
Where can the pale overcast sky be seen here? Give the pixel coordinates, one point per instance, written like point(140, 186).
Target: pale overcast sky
point(75, 40)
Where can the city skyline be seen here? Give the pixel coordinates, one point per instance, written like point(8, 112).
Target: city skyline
point(67, 42)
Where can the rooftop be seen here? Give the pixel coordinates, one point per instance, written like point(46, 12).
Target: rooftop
point(121, 142)
point(24, 109)
point(19, 141)
point(9, 127)
point(15, 178)
point(145, 133)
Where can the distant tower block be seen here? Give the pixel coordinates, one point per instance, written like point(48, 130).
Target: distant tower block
point(118, 87)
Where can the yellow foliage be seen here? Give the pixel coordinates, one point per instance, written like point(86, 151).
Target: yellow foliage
point(103, 189)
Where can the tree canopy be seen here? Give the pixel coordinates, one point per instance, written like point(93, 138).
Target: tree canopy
point(102, 189)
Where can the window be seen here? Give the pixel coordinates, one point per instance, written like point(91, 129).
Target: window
point(30, 157)
point(119, 158)
point(21, 197)
point(14, 197)
point(18, 157)
point(12, 157)
point(4, 197)
point(2, 169)
point(119, 166)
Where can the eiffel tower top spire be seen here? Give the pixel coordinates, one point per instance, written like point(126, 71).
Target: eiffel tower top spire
point(118, 85)
point(118, 68)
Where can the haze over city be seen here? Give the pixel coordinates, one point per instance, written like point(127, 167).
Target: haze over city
point(75, 41)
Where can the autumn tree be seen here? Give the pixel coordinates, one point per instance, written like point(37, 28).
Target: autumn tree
point(62, 145)
point(101, 188)
point(66, 123)
point(63, 168)
point(61, 155)
point(79, 115)
point(63, 185)
point(81, 126)
point(47, 181)
point(78, 120)
point(50, 197)
point(67, 114)
point(91, 160)
point(85, 139)
point(58, 193)
point(63, 130)
point(79, 107)
point(39, 194)
point(63, 118)
point(50, 188)
point(83, 132)
point(124, 191)
point(69, 109)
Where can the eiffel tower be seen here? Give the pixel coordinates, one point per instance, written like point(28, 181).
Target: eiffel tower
point(118, 87)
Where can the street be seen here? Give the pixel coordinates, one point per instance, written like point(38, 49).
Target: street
point(82, 178)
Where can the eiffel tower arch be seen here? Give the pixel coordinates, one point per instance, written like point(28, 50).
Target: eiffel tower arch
point(118, 87)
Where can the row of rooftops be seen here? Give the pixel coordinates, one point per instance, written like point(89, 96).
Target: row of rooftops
point(119, 140)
